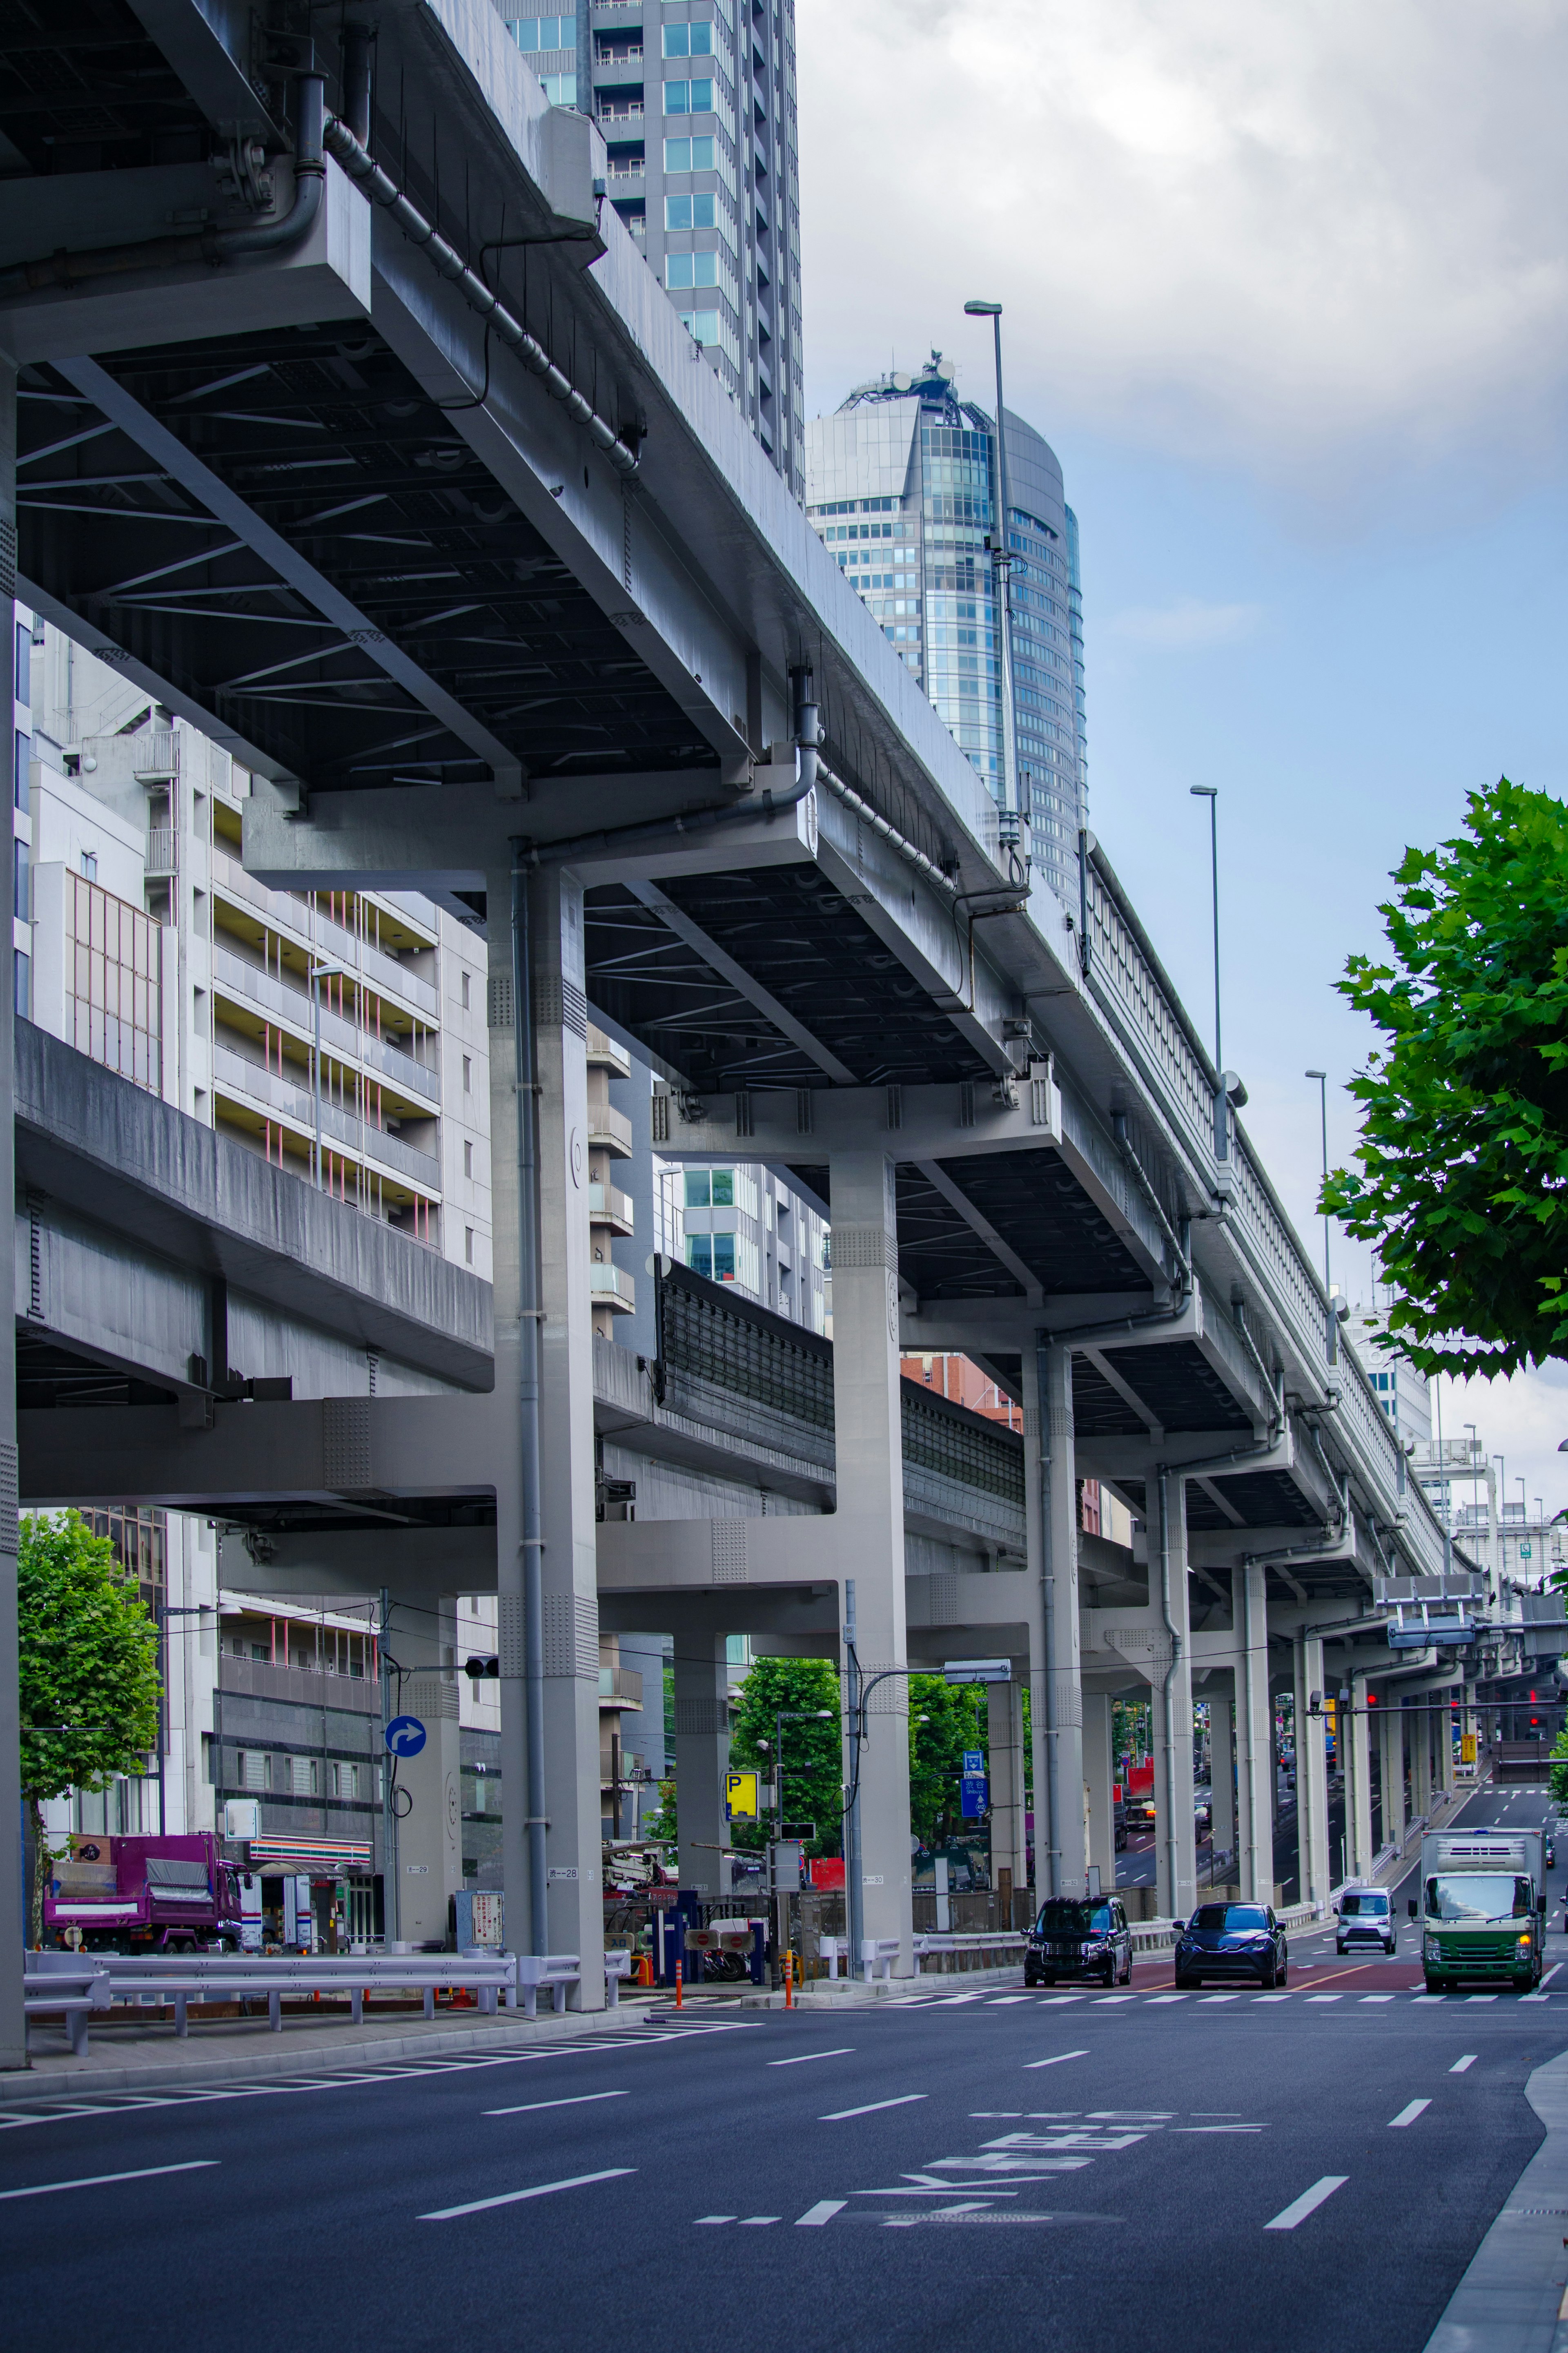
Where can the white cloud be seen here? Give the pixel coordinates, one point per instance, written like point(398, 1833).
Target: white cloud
point(1314, 240)
point(1187, 622)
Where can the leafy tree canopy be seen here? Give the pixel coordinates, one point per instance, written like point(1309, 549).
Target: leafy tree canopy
point(1463, 1176)
point(955, 1722)
point(813, 1746)
point(89, 1660)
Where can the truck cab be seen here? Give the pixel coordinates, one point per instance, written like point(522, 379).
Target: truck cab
point(1482, 1908)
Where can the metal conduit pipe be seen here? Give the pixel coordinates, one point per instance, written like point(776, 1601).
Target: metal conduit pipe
point(347, 151)
point(1145, 1184)
point(527, 1401)
point(210, 244)
point(890, 834)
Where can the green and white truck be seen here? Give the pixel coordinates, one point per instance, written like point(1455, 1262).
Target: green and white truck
point(1483, 1907)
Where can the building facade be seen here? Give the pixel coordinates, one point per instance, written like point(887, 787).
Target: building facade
point(900, 486)
point(696, 99)
point(741, 1225)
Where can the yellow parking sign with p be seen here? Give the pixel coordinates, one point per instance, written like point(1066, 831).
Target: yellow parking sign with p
point(741, 1796)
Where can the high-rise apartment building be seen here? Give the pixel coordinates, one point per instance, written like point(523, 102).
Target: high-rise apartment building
point(739, 1224)
point(901, 485)
point(696, 99)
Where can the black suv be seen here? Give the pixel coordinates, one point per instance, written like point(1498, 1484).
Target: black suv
point(1079, 1939)
point(1232, 1940)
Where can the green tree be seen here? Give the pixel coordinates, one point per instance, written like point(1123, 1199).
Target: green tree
point(813, 1746)
point(953, 1723)
point(1557, 1768)
point(87, 1670)
point(1463, 1177)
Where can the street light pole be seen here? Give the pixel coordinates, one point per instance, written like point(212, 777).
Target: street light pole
point(1012, 796)
point(1330, 1337)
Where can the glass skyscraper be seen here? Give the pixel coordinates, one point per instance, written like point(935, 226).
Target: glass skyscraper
point(900, 484)
point(696, 99)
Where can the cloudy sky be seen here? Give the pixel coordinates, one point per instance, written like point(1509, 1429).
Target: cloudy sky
point(1285, 288)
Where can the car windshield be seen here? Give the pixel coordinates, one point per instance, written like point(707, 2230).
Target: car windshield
point(1363, 1906)
point(1478, 1895)
point(1230, 1916)
point(1061, 1917)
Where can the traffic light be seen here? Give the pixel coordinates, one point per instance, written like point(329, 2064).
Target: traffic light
point(477, 1668)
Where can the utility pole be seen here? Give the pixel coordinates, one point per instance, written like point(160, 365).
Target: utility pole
point(390, 1915)
point(854, 1891)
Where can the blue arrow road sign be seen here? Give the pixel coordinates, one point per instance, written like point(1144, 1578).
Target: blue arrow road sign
point(976, 1796)
point(404, 1735)
point(974, 1760)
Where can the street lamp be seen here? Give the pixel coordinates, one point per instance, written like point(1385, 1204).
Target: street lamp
point(1331, 1331)
point(1221, 1106)
point(1002, 571)
point(319, 973)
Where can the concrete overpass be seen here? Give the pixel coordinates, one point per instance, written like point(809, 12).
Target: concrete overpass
point(406, 484)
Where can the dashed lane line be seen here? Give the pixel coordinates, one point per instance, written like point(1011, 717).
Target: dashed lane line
point(575, 2100)
point(840, 2115)
point(1462, 2066)
point(823, 2211)
point(1056, 2060)
point(1408, 2114)
point(804, 2058)
point(517, 2197)
point(93, 2180)
point(1289, 2217)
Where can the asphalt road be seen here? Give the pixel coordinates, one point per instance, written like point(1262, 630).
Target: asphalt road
point(1118, 2172)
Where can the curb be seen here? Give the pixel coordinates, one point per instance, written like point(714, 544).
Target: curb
point(1512, 2298)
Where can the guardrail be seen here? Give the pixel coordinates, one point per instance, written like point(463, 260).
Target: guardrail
point(61, 1984)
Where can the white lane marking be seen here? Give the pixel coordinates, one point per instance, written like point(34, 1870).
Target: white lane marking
point(758, 2222)
point(1407, 2116)
point(576, 2100)
point(516, 2196)
point(804, 2057)
point(1325, 1996)
point(1001, 2001)
point(1551, 1973)
point(948, 2000)
point(1462, 2066)
point(1535, 1997)
point(1057, 2062)
point(1308, 2202)
point(1377, 1997)
point(1431, 1997)
point(1271, 1997)
point(703, 2219)
point(1050, 2001)
point(1214, 2128)
point(872, 2107)
point(1480, 1997)
point(92, 2180)
point(1103, 1997)
point(1156, 1998)
point(1219, 1997)
point(823, 2211)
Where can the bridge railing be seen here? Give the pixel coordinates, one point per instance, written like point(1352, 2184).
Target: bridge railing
point(1128, 983)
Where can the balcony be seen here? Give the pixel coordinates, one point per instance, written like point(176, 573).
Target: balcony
point(276, 1094)
point(612, 1286)
point(605, 1054)
point(620, 110)
point(155, 758)
point(292, 1005)
point(617, 170)
point(609, 1131)
point(606, 1206)
point(626, 65)
point(621, 1686)
point(162, 859)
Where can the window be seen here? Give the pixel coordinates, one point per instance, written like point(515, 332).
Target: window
point(683, 269)
point(560, 89)
point(252, 1769)
point(690, 154)
point(89, 864)
point(465, 992)
point(688, 40)
point(689, 97)
point(22, 984)
point(692, 212)
point(346, 1780)
point(303, 1776)
point(22, 792)
point(22, 687)
point(467, 1074)
point(22, 861)
point(723, 1188)
point(532, 33)
point(467, 1159)
point(467, 1245)
point(698, 1188)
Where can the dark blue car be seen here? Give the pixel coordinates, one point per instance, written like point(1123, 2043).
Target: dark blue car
point(1232, 1940)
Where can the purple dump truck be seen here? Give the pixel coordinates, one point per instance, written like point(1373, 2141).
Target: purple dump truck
point(145, 1894)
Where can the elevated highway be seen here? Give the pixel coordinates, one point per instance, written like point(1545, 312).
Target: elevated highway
point(429, 510)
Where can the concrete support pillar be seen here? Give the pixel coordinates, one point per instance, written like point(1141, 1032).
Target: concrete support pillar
point(1441, 1720)
point(1100, 1775)
point(1255, 1736)
point(1005, 1716)
point(571, 1632)
point(701, 1761)
point(869, 1439)
point(1357, 1784)
point(1420, 1721)
point(504, 1409)
point(1172, 1692)
point(1391, 1768)
point(13, 1918)
point(1056, 1684)
point(423, 1640)
point(1222, 1770)
point(1311, 1773)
